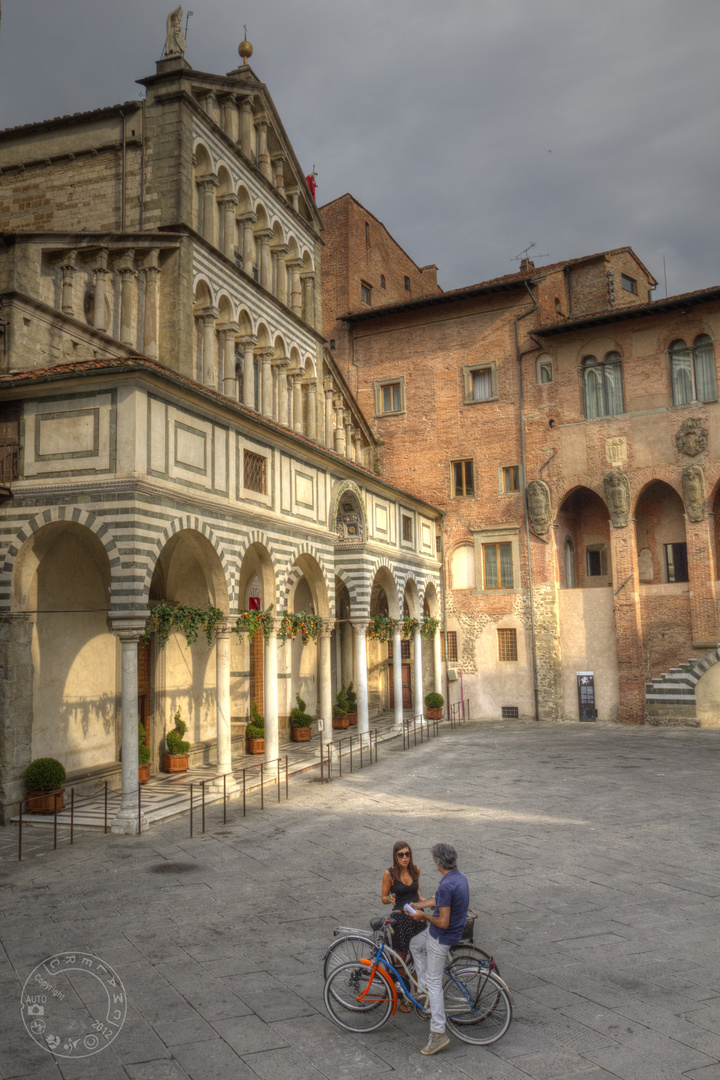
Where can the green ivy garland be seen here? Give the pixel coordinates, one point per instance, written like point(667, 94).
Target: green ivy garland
point(429, 626)
point(250, 622)
point(381, 627)
point(300, 622)
point(165, 617)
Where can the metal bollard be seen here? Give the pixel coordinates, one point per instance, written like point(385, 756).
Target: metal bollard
point(202, 797)
point(106, 795)
point(191, 811)
point(72, 815)
point(262, 784)
point(287, 779)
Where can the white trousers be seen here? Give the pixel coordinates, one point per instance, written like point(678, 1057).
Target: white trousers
point(429, 956)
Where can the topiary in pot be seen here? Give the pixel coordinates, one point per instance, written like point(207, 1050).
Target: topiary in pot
point(176, 759)
point(340, 711)
point(255, 731)
point(434, 706)
point(300, 722)
point(44, 779)
point(351, 698)
point(143, 754)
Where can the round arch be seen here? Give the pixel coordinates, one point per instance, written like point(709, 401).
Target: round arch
point(582, 537)
point(188, 524)
point(385, 582)
point(411, 597)
point(660, 534)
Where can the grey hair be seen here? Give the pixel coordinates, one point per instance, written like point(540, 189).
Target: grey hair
point(446, 855)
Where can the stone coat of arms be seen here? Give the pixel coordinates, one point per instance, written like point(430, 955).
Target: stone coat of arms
point(691, 438)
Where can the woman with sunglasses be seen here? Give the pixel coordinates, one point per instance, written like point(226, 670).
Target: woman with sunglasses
point(400, 886)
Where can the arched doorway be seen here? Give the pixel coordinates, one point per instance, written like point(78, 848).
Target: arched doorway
point(381, 654)
point(308, 593)
point(256, 592)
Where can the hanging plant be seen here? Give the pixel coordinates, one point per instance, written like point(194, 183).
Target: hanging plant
point(300, 622)
point(250, 622)
point(381, 627)
point(165, 617)
point(409, 626)
point(429, 626)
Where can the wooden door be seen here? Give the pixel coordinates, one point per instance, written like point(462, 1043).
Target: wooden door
point(406, 686)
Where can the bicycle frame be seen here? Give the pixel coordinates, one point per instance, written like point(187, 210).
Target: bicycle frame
point(386, 967)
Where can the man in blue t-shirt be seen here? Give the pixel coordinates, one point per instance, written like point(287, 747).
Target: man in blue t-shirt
point(430, 948)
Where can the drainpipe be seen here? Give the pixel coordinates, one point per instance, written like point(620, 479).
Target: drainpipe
point(124, 165)
point(142, 165)
point(444, 603)
point(519, 355)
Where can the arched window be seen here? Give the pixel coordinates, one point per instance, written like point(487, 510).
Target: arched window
point(603, 386)
point(569, 557)
point(692, 371)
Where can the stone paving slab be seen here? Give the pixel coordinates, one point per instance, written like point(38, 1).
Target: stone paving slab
point(591, 852)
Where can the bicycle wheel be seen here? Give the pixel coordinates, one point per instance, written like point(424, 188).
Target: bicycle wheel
point(346, 949)
point(465, 950)
point(358, 997)
point(477, 1005)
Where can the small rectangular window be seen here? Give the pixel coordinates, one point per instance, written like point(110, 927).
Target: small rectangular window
point(546, 373)
point(482, 384)
point(497, 566)
point(382, 281)
point(463, 479)
point(391, 398)
point(677, 562)
point(507, 645)
point(596, 561)
point(511, 478)
point(407, 529)
point(448, 652)
point(367, 232)
point(255, 472)
point(365, 293)
point(332, 343)
point(407, 284)
point(629, 284)
point(509, 712)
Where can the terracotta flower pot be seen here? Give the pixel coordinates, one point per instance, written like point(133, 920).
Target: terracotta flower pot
point(176, 762)
point(341, 723)
point(43, 802)
point(434, 714)
point(256, 746)
point(144, 773)
point(301, 734)
point(351, 718)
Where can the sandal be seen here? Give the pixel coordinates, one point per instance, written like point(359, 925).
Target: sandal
point(405, 1006)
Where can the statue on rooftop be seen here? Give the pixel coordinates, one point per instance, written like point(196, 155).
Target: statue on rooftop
point(175, 43)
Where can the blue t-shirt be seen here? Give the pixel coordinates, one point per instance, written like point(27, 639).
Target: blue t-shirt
point(453, 892)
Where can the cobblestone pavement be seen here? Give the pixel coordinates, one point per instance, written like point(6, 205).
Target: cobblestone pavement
point(592, 855)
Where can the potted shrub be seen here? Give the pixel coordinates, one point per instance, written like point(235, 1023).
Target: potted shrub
point(340, 710)
point(143, 754)
point(176, 759)
point(351, 698)
point(434, 706)
point(44, 780)
point(255, 731)
point(300, 722)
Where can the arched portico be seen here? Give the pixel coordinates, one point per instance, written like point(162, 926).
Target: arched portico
point(412, 603)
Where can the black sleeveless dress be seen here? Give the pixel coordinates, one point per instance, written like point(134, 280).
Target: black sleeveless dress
point(405, 927)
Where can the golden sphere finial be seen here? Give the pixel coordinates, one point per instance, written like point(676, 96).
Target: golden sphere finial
point(245, 49)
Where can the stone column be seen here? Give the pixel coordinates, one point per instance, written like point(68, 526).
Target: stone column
point(628, 624)
point(294, 196)
point(397, 676)
point(247, 344)
point(281, 365)
point(325, 681)
point(418, 703)
point(208, 316)
point(329, 412)
point(437, 663)
point(67, 266)
point(264, 236)
point(126, 819)
point(263, 157)
point(247, 127)
point(207, 186)
point(126, 268)
point(265, 356)
point(361, 680)
point(100, 304)
point(270, 688)
point(211, 107)
point(222, 663)
point(280, 252)
point(278, 163)
point(150, 314)
point(312, 410)
point(348, 435)
point(308, 297)
point(297, 406)
point(228, 332)
point(295, 287)
point(247, 220)
point(339, 403)
point(228, 203)
point(701, 572)
point(230, 117)
point(357, 448)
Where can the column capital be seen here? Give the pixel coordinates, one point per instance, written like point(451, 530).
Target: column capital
point(360, 625)
point(279, 249)
point(226, 98)
point(248, 341)
point(295, 263)
point(101, 261)
point(152, 260)
point(208, 314)
point(246, 102)
point(230, 328)
point(68, 260)
point(247, 216)
point(328, 385)
point(229, 199)
point(126, 264)
point(282, 363)
point(265, 353)
point(338, 401)
point(208, 181)
point(307, 275)
point(327, 628)
point(296, 376)
point(262, 121)
point(127, 627)
point(264, 234)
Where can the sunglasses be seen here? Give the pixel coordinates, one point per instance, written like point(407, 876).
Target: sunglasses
point(403, 854)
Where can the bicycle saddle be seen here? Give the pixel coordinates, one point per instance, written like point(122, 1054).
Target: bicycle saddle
point(375, 924)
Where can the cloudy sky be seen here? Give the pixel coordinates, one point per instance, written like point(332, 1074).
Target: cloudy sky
point(471, 128)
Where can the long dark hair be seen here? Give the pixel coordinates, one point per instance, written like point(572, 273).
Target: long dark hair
point(396, 868)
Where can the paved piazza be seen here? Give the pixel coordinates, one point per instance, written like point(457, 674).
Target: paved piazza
point(592, 854)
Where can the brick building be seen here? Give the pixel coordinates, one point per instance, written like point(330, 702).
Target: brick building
point(568, 426)
point(173, 429)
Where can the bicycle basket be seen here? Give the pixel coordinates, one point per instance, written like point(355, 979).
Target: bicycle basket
point(468, 932)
